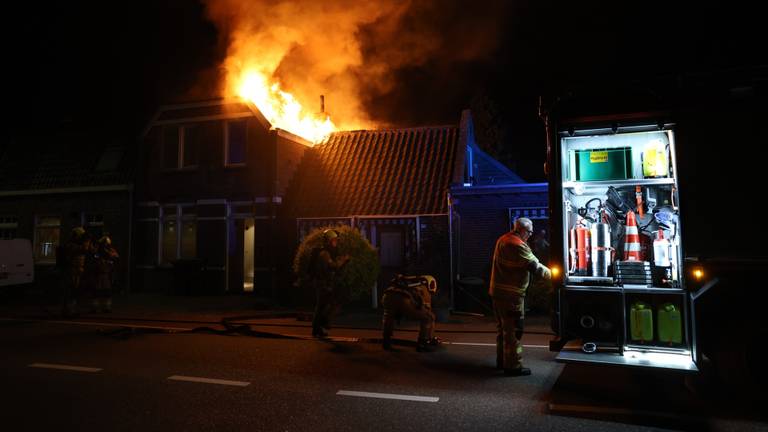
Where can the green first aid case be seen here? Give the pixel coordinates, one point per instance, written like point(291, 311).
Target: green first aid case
point(670, 324)
point(641, 322)
point(601, 164)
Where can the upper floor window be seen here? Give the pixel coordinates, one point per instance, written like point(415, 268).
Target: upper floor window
point(235, 134)
point(180, 146)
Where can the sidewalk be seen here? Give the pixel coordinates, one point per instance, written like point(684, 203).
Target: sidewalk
point(244, 309)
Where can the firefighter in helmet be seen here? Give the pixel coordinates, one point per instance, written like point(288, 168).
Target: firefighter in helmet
point(324, 266)
point(106, 258)
point(410, 297)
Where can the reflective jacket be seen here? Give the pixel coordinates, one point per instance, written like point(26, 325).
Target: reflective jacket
point(513, 262)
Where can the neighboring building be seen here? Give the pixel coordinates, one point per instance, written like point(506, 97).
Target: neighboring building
point(51, 182)
point(211, 178)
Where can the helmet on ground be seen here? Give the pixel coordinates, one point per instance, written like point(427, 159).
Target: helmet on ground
point(330, 234)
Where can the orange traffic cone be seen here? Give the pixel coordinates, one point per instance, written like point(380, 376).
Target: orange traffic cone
point(632, 239)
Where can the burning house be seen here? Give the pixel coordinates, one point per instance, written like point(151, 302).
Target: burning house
point(223, 198)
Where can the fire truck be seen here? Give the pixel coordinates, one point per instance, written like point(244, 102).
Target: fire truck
point(657, 235)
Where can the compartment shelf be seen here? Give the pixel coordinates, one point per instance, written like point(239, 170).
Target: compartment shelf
point(618, 183)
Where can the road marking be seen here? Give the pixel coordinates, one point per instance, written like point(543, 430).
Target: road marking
point(388, 396)
point(208, 380)
point(492, 344)
point(65, 367)
point(471, 343)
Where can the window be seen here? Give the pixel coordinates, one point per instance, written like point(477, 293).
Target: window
point(147, 234)
point(180, 147)
point(9, 226)
point(171, 147)
point(47, 235)
point(235, 142)
point(94, 225)
point(188, 232)
point(190, 144)
point(179, 234)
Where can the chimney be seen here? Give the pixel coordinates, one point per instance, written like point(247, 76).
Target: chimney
point(322, 104)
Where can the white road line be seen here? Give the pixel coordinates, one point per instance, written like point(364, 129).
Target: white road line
point(208, 380)
point(471, 343)
point(491, 344)
point(388, 396)
point(65, 367)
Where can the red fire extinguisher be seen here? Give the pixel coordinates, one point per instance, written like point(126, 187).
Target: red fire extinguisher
point(580, 239)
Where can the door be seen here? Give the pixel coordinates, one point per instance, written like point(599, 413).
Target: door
point(391, 242)
point(235, 255)
point(248, 256)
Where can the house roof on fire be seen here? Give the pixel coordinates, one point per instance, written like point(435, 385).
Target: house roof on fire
point(377, 172)
point(392, 172)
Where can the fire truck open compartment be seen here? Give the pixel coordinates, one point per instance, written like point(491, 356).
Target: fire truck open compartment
point(622, 298)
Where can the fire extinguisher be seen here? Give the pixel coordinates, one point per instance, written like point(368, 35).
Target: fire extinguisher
point(580, 239)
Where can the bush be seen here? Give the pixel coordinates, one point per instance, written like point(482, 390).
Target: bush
point(355, 278)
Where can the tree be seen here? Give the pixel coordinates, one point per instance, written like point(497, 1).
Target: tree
point(357, 277)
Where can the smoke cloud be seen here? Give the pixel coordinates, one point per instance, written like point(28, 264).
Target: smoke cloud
point(362, 55)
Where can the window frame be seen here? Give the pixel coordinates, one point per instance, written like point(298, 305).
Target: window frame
point(180, 217)
point(181, 132)
point(9, 224)
point(36, 236)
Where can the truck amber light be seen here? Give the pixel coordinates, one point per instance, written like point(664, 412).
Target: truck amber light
point(698, 274)
point(555, 271)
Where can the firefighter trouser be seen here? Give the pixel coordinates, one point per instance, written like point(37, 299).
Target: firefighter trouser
point(397, 305)
point(325, 309)
point(509, 313)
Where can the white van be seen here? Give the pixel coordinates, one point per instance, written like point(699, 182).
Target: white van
point(16, 267)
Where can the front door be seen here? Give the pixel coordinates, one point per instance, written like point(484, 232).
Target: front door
point(391, 242)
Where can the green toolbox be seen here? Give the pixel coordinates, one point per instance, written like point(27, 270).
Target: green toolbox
point(601, 164)
point(640, 322)
point(670, 324)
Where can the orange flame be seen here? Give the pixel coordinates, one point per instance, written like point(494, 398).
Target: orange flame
point(282, 109)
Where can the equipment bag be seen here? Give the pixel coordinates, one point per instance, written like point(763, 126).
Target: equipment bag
point(641, 322)
point(670, 324)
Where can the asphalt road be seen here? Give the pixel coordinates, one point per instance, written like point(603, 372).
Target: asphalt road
point(84, 376)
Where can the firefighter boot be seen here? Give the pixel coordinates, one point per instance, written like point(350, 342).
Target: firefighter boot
point(424, 345)
point(519, 371)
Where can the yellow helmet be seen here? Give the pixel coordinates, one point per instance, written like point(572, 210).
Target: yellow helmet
point(105, 240)
point(78, 232)
point(330, 234)
point(431, 283)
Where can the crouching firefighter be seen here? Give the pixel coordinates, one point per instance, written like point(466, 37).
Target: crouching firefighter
point(410, 297)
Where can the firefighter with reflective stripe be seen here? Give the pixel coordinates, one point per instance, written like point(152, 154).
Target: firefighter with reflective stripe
point(324, 265)
point(511, 270)
point(410, 297)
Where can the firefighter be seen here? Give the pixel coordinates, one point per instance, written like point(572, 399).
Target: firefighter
point(73, 254)
point(410, 297)
point(511, 270)
point(105, 258)
point(324, 266)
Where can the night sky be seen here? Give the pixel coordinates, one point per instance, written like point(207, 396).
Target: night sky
point(107, 66)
